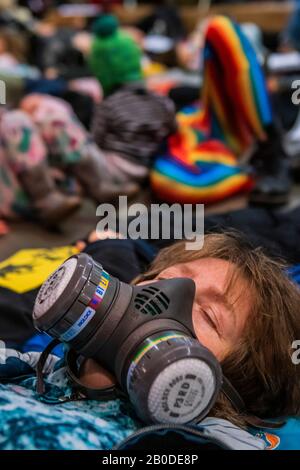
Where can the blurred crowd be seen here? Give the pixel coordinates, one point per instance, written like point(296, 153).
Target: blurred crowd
point(101, 109)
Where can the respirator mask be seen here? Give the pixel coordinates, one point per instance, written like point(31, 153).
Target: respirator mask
point(143, 334)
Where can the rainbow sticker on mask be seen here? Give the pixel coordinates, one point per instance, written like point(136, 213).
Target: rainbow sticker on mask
point(100, 290)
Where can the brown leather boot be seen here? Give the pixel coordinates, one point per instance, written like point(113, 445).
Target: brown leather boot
point(96, 180)
point(50, 204)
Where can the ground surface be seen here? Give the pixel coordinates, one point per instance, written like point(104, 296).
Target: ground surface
point(29, 235)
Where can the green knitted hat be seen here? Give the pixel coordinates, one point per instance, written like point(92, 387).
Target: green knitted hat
point(105, 25)
point(115, 58)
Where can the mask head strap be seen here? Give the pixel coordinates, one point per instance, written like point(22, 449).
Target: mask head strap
point(233, 396)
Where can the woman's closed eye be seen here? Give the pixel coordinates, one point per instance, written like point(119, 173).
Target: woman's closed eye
point(210, 318)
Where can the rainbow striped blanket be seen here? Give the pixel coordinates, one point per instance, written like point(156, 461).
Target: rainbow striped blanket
point(195, 169)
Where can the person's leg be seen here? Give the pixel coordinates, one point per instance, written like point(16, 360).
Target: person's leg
point(23, 145)
point(63, 136)
point(237, 107)
point(26, 156)
point(70, 146)
point(13, 200)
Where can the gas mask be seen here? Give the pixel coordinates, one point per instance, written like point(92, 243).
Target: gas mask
point(143, 334)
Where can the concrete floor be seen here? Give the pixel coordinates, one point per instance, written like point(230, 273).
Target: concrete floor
point(30, 235)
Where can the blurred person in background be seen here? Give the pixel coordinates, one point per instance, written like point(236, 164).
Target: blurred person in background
point(46, 131)
point(131, 123)
point(27, 188)
point(128, 126)
point(235, 107)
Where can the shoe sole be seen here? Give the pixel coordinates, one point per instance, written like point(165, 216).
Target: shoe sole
point(60, 215)
point(113, 198)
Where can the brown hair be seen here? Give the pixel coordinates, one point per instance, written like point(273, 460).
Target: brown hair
point(260, 367)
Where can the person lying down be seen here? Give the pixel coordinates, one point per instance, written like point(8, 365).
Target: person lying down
point(245, 311)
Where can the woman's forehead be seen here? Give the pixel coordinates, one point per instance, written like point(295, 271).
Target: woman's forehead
point(226, 275)
point(210, 264)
